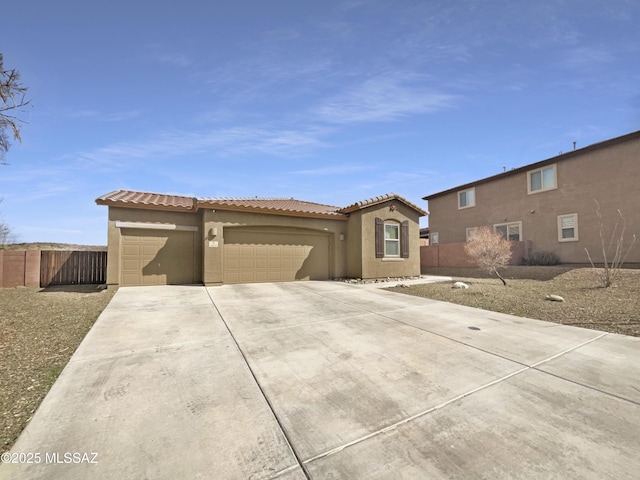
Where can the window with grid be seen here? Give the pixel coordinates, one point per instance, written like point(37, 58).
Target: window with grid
point(568, 227)
point(391, 240)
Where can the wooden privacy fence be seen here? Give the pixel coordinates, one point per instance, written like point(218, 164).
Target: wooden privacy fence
point(35, 268)
point(72, 267)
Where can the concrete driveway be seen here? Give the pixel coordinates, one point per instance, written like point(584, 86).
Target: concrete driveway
point(326, 380)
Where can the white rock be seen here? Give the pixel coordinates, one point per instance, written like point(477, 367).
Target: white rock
point(554, 298)
point(460, 285)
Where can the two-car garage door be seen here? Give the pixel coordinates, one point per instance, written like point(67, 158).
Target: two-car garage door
point(263, 255)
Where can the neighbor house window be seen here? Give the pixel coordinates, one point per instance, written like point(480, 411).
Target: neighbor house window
point(470, 233)
point(568, 227)
point(467, 198)
point(391, 239)
point(542, 179)
point(434, 238)
point(510, 231)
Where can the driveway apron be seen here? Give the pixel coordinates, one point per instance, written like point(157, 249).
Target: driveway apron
point(333, 381)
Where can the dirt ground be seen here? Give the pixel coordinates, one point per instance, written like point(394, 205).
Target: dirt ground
point(39, 331)
point(615, 309)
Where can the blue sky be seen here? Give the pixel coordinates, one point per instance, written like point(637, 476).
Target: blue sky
point(326, 101)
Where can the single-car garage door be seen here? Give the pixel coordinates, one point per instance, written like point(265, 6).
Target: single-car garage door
point(156, 257)
point(257, 255)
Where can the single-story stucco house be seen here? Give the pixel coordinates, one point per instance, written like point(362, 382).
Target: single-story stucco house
point(158, 239)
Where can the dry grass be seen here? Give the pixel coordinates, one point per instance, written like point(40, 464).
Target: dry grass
point(39, 331)
point(615, 309)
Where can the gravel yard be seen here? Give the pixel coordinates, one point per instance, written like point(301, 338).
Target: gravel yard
point(615, 309)
point(39, 331)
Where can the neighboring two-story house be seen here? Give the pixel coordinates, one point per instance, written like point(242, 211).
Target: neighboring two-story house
point(550, 205)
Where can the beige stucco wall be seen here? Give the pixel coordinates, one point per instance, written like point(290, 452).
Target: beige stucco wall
point(372, 267)
point(609, 175)
point(221, 219)
point(114, 234)
point(351, 241)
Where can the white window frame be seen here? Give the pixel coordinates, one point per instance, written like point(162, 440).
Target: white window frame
point(396, 241)
point(469, 205)
point(434, 238)
point(575, 237)
point(470, 232)
point(509, 224)
point(542, 188)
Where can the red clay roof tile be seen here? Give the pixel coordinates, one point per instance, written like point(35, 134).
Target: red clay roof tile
point(146, 199)
point(284, 206)
point(381, 199)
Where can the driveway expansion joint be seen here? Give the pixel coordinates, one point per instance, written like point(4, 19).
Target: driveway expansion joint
point(264, 395)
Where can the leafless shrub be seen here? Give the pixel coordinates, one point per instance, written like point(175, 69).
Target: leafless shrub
point(614, 253)
point(490, 250)
point(541, 258)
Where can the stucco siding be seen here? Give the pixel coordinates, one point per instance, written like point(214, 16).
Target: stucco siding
point(373, 267)
point(147, 218)
point(219, 220)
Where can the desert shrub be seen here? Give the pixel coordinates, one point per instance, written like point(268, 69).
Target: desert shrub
point(490, 250)
point(541, 258)
point(614, 252)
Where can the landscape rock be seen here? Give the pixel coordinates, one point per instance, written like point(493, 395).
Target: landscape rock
point(554, 298)
point(460, 285)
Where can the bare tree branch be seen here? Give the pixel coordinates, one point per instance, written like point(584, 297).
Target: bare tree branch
point(13, 102)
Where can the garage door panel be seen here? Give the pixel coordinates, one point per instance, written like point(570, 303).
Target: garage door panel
point(157, 257)
point(254, 255)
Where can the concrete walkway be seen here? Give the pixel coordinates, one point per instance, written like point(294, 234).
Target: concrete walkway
point(329, 380)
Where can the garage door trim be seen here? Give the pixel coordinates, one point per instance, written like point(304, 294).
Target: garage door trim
point(157, 226)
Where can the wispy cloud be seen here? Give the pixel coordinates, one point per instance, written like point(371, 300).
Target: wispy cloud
point(383, 99)
point(176, 59)
point(104, 117)
point(221, 142)
point(586, 57)
point(332, 170)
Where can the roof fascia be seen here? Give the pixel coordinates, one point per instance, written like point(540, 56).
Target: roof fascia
point(542, 163)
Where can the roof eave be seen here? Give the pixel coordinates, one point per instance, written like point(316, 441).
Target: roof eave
point(269, 211)
point(359, 206)
point(144, 206)
point(541, 163)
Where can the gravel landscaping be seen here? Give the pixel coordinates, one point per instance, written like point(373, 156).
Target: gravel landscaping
point(615, 309)
point(39, 331)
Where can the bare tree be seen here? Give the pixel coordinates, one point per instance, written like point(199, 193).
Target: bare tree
point(6, 232)
point(490, 250)
point(614, 253)
point(12, 103)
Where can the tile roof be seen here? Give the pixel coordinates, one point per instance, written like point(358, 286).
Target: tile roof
point(282, 206)
point(271, 205)
point(147, 200)
point(381, 199)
